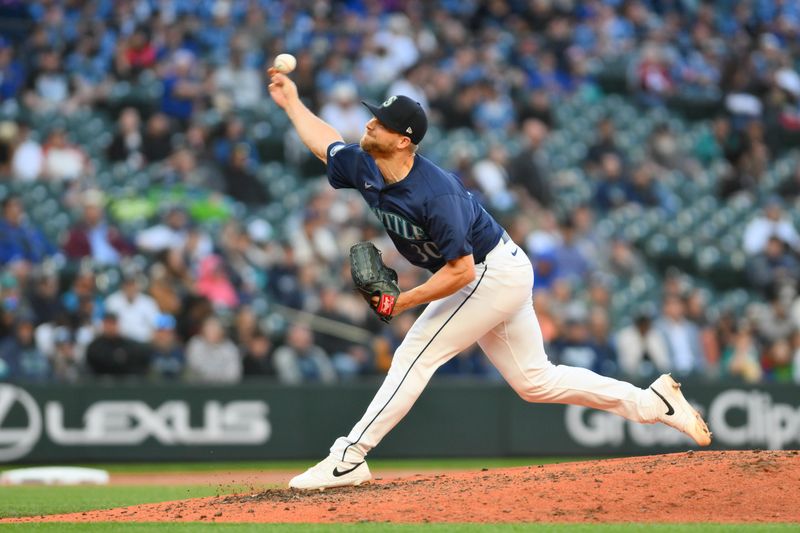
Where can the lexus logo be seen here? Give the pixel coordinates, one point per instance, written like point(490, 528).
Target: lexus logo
point(16, 442)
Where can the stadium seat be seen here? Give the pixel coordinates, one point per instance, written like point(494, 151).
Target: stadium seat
point(613, 75)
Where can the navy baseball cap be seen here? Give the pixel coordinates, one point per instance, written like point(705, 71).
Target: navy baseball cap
point(402, 115)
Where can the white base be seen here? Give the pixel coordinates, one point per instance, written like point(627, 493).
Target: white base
point(54, 475)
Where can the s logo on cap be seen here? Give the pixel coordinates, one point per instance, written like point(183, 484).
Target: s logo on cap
point(389, 102)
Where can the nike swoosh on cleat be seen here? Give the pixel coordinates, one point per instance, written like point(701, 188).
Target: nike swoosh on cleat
point(338, 473)
point(670, 410)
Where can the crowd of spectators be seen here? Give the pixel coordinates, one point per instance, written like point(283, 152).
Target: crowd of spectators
point(199, 302)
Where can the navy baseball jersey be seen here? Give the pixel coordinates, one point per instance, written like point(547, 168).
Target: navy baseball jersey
point(429, 215)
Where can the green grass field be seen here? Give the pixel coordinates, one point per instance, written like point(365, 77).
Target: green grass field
point(399, 528)
point(43, 500)
point(39, 500)
point(375, 464)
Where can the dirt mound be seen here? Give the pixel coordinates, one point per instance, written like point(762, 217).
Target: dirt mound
point(741, 486)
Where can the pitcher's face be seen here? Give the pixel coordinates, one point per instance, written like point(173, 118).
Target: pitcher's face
point(378, 140)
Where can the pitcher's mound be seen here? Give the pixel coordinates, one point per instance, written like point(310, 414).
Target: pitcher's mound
point(740, 486)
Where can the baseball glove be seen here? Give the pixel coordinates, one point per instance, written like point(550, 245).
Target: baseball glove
point(374, 279)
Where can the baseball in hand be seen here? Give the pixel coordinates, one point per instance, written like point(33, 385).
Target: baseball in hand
point(285, 63)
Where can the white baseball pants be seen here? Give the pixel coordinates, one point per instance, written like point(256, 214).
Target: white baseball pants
point(496, 311)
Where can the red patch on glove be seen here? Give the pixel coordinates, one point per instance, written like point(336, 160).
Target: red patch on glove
point(386, 304)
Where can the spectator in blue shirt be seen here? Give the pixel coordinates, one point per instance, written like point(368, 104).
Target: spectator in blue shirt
point(645, 191)
point(544, 268)
point(181, 89)
point(20, 241)
point(570, 262)
point(612, 190)
point(12, 76)
point(575, 346)
point(232, 134)
point(168, 359)
point(494, 112)
point(215, 34)
point(20, 359)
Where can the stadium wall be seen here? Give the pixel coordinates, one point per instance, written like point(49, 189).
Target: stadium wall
point(135, 422)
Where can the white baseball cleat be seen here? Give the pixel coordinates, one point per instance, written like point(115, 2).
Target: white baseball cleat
point(331, 472)
point(679, 413)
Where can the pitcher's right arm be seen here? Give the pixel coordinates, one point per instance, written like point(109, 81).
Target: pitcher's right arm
point(315, 133)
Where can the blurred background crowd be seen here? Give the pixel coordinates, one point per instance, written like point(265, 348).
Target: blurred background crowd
point(160, 219)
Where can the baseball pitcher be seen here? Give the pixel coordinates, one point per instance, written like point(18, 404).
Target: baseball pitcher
point(480, 289)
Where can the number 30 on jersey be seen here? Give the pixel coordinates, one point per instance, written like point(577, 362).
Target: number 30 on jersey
point(426, 251)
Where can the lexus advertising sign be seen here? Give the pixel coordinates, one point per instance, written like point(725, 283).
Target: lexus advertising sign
point(254, 421)
point(105, 422)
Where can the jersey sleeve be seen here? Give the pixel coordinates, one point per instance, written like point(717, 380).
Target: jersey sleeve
point(450, 218)
point(343, 160)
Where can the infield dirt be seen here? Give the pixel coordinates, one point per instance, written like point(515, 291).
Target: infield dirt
point(735, 486)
